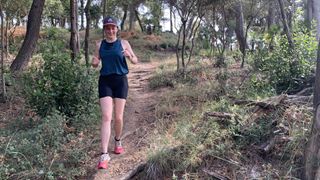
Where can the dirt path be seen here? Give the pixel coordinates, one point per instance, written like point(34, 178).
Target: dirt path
point(138, 121)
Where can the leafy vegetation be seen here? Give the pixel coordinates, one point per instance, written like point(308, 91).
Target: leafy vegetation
point(286, 69)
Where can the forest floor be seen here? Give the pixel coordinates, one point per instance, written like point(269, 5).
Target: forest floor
point(138, 125)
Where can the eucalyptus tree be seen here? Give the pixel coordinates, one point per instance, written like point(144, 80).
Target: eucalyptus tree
point(31, 37)
point(308, 13)
point(54, 11)
point(87, 35)
point(156, 13)
point(95, 13)
point(217, 22)
point(171, 4)
point(246, 14)
point(2, 80)
point(316, 7)
point(312, 11)
point(285, 24)
point(74, 36)
point(81, 10)
point(187, 10)
point(13, 12)
point(16, 9)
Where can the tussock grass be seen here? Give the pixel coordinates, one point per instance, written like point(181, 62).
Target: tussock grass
point(222, 145)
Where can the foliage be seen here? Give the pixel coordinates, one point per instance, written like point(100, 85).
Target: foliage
point(15, 8)
point(58, 84)
point(38, 149)
point(286, 69)
point(28, 148)
point(54, 9)
point(53, 40)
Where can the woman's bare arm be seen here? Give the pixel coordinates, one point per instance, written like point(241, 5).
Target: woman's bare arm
point(128, 52)
point(96, 58)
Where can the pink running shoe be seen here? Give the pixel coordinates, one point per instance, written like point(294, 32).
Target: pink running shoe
point(118, 149)
point(103, 162)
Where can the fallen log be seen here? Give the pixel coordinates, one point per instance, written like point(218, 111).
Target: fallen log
point(275, 101)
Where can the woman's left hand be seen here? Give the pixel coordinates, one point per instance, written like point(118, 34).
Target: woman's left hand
point(127, 54)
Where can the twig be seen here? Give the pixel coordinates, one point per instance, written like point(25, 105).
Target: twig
point(220, 115)
point(305, 91)
point(54, 156)
point(5, 151)
point(226, 160)
point(216, 175)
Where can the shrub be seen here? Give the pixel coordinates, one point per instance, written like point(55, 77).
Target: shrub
point(288, 68)
point(58, 84)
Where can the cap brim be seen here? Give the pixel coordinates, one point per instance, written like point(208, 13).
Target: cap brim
point(109, 24)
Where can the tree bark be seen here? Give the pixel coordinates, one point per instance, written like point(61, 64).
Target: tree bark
point(74, 36)
point(270, 17)
point(285, 24)
point(239, 30)
point(2, 80)
point(316, 12)
point(32, 35)
point(82, 14)
point(104, 11)
point(308, 13)
point(312, 151)
point(131, 17)
point(86, 39)
point(125, 10)
point(171, 19)
point(139, 20)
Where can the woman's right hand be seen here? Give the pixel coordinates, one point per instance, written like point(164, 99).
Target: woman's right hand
point(95, 62)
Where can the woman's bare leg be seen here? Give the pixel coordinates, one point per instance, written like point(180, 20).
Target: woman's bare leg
point(119, 105)
point(106, 109)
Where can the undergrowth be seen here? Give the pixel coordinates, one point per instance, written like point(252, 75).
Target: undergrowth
point(229, 143)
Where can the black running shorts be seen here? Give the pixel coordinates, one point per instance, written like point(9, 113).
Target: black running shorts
point(114, 85)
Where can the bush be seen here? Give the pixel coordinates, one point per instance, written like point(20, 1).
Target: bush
point(286, 68)
point(59, 84)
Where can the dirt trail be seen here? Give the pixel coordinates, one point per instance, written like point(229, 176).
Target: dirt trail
point(138, 121)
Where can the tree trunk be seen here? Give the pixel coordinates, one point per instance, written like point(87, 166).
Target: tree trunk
point(74, 37)
point(131, 17)
point(239, 30)
point(171, 19)
point(312, 151)
point(2, 80)
point(316, 12)
point(285, 24)
point(308, 13)
point(270, 17)
point(189, 26)
point(104, 11)
point(177, 49)
point(183, 48)
point(140, 23)
point(125, 10)
point(32, 35)
point(82, 14)
point(86, 39)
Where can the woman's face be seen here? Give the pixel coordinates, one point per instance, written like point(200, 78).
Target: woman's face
point(110, 31)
